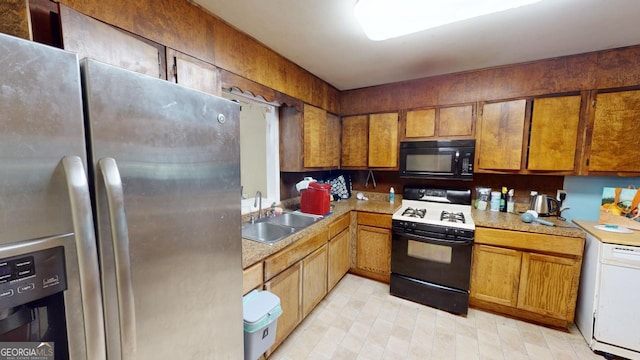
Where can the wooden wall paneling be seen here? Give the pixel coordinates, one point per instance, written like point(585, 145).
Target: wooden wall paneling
point(604, 69)
point(15, 18)
point(616, 68)
point(242, 55)
point(186, 27)
point(180, 25)
point(230, 80)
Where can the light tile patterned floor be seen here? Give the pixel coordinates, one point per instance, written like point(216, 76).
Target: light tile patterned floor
point(360, 320)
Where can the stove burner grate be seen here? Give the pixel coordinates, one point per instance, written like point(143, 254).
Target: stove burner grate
point(452, 217)
point(415, 213)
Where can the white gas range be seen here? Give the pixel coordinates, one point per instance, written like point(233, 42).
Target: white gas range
point(435, 213)
point(431, 248)
point(441, 207)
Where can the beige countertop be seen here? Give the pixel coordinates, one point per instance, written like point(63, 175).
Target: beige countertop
point(509, 221)
point(609, 237)
point(253, 252)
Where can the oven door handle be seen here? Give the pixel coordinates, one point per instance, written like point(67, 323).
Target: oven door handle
point(434, 240)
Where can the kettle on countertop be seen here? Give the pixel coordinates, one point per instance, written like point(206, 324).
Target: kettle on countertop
point(544, 205)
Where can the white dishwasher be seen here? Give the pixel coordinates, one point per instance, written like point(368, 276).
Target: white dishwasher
point(608, 309)
point(617, 319)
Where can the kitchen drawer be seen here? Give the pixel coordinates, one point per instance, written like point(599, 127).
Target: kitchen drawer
point(294, 253)
point(530, 241)
point(337, 226)
point(373, 219)
point(252, 277)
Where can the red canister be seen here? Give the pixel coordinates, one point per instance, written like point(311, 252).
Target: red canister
point(316, 199)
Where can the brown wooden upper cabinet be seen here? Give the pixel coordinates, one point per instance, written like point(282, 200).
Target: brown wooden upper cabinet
point(309, 139)
point(383, 140)
point(193, 73)
point(444, 122)
point(501, 135)
point(615, 129)
point(91, 38)
point(370, 141)
point(355, 141)
point(554, 133)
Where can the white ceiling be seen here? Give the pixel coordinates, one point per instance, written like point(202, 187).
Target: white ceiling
point(322, 36)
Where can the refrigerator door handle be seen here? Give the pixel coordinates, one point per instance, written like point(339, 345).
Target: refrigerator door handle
point(83, 228)
point(120, 238)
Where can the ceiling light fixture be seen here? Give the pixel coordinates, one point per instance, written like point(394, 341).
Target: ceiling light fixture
point(385, 19)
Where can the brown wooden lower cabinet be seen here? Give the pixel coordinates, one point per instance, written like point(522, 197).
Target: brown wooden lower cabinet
point(302, 274)
point(549, 285)
point(529, 276)
point(314, 279)
point(373, 246)
point(338, 258)
point(495, 276)
point(286, 286)
point(339, 262)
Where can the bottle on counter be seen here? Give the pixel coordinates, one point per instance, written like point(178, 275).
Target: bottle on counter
point(392, 195)
point(511, 203)
point(495, 201)
point(503, 199)
point(532, 196)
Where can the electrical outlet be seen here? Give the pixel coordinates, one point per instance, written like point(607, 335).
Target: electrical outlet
point(561, 195)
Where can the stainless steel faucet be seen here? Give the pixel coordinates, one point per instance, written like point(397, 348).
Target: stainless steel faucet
point(258, 202)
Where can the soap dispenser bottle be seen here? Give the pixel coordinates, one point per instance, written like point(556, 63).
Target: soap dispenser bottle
point(392, 195)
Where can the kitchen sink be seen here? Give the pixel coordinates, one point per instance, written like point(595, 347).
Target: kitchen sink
point(270, 230)
point(266, 232)
point(293, 220)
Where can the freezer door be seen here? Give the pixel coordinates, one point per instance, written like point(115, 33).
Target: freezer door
point(41, 122)
point(165, 164)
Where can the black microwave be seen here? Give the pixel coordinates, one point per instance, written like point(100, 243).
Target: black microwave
point(437, 159)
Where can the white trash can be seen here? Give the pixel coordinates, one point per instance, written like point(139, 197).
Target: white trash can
point(261, 310)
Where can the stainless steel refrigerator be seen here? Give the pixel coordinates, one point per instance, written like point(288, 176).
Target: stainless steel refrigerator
point(151, 166)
